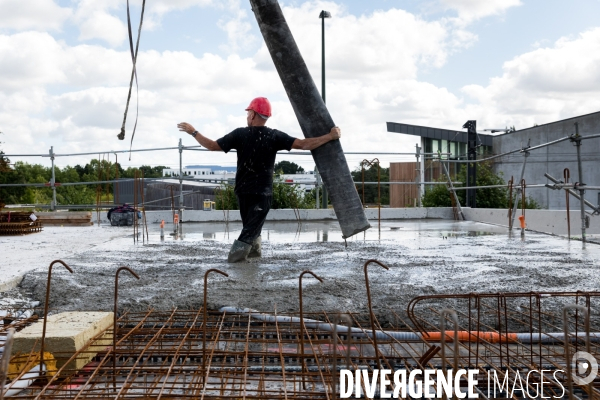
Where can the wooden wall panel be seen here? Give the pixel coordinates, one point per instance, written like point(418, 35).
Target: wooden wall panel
point(403, 195)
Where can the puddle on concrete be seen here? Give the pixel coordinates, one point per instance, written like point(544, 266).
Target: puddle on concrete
point(314, 232)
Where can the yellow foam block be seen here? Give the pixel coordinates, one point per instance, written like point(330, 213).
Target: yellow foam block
point(22, 363)
point(66, 334)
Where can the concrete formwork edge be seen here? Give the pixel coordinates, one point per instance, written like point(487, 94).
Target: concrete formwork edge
point(547, 221)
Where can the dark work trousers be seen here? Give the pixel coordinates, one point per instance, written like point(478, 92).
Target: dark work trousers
point(253, 209)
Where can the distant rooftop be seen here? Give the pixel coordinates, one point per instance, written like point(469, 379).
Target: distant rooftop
point(213, 167)
point(436, 133)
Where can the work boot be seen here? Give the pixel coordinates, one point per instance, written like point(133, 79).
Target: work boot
point(256, 250)
point(239, 251)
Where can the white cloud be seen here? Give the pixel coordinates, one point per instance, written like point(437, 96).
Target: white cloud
point(73, 97)
point(469, 10)
point(372, 61)
point(30, 59)
point(91, 82)
point(98, 19)
point(391, 44)
point(102, 25)
point(96, 22)
point(570, 66)
point(35, 59)
point(40, 15)
point(237, 27)
point(544, 85)
point(156, 9)
point(17, 124)
point(97, 107)
point(161, 7)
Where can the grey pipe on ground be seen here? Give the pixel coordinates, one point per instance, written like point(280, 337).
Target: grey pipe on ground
point(524, 338)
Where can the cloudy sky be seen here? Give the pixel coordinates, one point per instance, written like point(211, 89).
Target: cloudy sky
point(65, 69)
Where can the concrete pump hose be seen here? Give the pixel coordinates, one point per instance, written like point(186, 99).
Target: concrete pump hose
point(463, 336)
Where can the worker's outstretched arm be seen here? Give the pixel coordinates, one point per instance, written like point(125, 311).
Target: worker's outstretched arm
point(203, 140)
point(312, 143)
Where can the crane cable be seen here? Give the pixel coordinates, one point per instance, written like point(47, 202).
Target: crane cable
point(121, 135)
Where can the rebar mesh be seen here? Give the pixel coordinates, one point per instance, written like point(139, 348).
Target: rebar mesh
point(162, 355)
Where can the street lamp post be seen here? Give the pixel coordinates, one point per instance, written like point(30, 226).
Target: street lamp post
point(324, 14)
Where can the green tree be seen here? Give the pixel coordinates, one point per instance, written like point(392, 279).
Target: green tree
point(149, 172)
point(439, 195)
point(66, 195)
point(371, 190)
point(97, 170)
point(530, 203)
point(31, 173)
point(4, 162)
point(80, 194)
point(30, 196)
point(284, 196)
point(287, 167)
point(225, 198)
point(287, 195)
point(6, 175)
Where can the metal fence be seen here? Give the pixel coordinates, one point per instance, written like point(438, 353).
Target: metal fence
point(576, 189)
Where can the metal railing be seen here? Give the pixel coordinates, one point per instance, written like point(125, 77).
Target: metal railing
point(421, 157)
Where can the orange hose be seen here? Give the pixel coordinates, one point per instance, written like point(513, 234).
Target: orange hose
point(473, 336)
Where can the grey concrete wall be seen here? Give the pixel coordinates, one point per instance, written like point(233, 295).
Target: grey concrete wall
point(547, 221)
point(552, 159)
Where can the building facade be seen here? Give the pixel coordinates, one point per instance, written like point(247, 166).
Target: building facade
point(209, 174)
point(552, 159)
point(452, 145)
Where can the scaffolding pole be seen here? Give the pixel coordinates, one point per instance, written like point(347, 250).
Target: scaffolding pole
point(418, 177)
point(53, 180)
point(180, 181)
point(526, 153)
point(577, 139)
point(458, 207)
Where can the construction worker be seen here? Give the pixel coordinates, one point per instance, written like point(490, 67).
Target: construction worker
point(256, 146)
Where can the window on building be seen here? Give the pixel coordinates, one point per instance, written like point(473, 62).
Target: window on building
point(435, 146)
point(445, 148)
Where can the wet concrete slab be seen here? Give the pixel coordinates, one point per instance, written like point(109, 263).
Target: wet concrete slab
point(424, 257)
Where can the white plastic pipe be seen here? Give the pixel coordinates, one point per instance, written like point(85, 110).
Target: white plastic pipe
point(14, 388)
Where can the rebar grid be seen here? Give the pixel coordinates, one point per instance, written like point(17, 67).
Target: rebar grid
point(16, 323)
point(517, 332)
point(160, 355)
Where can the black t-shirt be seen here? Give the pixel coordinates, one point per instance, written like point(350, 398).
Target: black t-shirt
point(256, 150)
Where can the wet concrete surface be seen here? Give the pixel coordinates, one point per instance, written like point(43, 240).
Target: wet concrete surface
point(424, 257)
